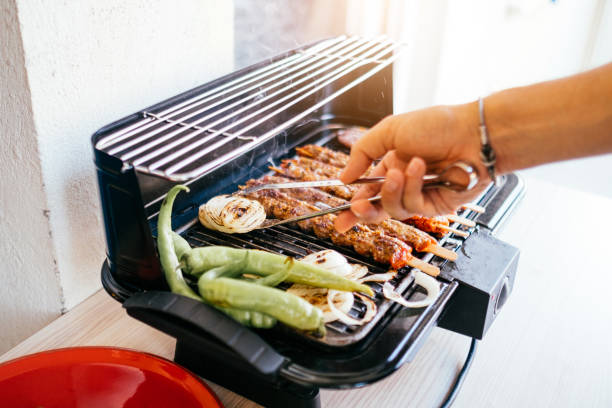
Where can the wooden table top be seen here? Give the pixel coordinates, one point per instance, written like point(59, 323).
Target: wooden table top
point(551, 346)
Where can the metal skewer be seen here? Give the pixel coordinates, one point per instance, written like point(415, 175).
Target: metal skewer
point(305, 184)
point(273, 223)
point(429, 181)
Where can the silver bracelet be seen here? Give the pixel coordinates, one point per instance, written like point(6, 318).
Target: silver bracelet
point(487, 154)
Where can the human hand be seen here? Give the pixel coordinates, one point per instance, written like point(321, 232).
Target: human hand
point(411, 145)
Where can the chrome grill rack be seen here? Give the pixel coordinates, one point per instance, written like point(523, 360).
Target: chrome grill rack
point(189, 139)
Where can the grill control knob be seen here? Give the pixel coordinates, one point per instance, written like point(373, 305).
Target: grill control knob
point(502, 296)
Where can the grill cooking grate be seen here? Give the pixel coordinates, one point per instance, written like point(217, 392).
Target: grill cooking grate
point(193, 137)
point(293, 242)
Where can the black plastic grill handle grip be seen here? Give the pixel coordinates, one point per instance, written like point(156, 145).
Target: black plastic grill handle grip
point(178, 310)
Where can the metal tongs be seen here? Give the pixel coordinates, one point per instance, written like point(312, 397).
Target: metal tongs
point(429, 181)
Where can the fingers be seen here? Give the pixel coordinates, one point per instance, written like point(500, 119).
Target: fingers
point(358, 163)
point(401, 194)
point(413, 201)
point(392, 195)
point(345, 221)
point(370, 147)
point(402, 197)
point(363, 210)
point(370, 190)
point(367, 212)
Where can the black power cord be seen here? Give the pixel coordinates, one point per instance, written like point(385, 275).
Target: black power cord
point(454, 391)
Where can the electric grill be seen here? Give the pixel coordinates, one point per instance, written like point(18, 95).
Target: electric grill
point(214, 138)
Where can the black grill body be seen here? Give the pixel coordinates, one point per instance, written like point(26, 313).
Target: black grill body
point(281, 367)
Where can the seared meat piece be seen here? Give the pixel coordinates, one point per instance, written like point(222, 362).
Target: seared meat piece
point(306, 169)
point(382, 248)
point(365, 240)
point(391, 227)
point(323, 154)
point(434, 225)
point(350, 136)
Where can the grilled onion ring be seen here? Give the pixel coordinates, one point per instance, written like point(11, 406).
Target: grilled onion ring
point(231, 214)
point(428, 283)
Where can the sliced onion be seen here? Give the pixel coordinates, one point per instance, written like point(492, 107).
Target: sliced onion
point(331, 260)
point(337, 313)
point(343, 315)
point(231, 214)
point(359, 271)
point(341, 301)
point(338, 303)
point(425, 281)
point(318, 297)
point(379, 277)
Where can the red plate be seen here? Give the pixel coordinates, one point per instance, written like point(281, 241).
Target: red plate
point(100, 377)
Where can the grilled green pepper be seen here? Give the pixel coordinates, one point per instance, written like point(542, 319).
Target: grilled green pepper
point(165, 246)
point(181, 246)
point(200, 260)
point(286, 307)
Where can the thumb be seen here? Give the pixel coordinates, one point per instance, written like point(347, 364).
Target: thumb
point(372, 146)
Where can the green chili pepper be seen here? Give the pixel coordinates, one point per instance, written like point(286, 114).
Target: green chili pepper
point(200, 260)
point(230, 270)
point(253, 318)
point(171, 245)
point(236, 269)
point(165, 246)
point(286, 307)
point(248, 317)
point(181, 246)
point(274, 279)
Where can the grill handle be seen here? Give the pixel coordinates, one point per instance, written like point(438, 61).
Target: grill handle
point(176, 315)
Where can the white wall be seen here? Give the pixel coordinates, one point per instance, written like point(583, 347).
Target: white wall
point(456, 51)
point(30, 293)
point(490, 46)
point(89, 63)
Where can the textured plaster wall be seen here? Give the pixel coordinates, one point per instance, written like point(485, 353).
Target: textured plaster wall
point(30, 294)
point(89, 63)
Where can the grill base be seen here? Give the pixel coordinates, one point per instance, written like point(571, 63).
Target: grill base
point(242, 379)
point(486, 276)
point(278, 367)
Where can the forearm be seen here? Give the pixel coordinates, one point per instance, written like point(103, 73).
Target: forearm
point(551, 121)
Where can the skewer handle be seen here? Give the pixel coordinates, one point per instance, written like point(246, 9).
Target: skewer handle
point(429, 269)
point(461, 220)
point(454, 231)
point(474, 207)
point(442, 252)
